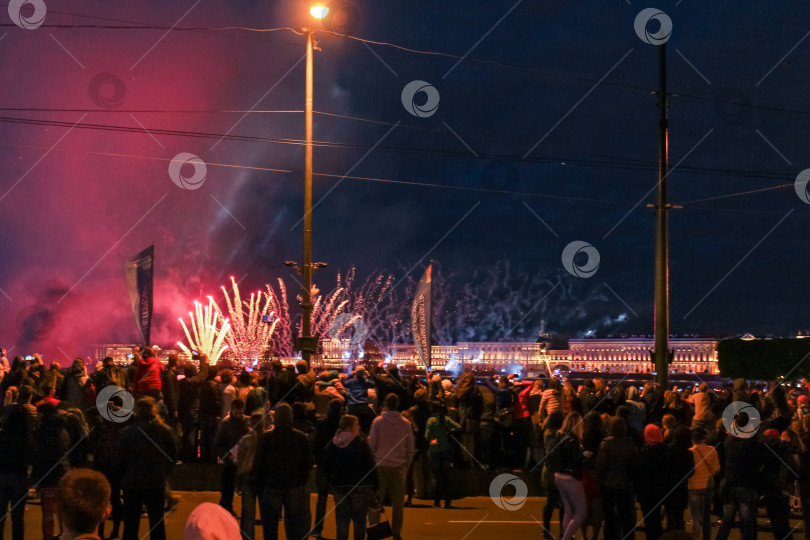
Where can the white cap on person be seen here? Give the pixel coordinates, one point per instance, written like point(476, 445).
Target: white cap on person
point(210, 521)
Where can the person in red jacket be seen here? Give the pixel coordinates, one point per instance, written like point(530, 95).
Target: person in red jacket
point(147, 376)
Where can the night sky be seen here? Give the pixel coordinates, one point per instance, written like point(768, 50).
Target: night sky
point(545, 134)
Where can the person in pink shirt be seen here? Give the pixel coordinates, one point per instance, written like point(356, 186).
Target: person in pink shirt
point(391, 439)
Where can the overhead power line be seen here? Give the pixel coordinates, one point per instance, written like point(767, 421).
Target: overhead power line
point(621, 163)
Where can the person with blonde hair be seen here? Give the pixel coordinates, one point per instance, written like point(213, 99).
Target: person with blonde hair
point(569, 478)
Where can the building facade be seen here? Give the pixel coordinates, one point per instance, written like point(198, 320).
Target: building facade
point(629, 355)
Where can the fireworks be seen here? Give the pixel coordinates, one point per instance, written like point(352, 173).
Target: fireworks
point(281, 342)
point(210, 330)
point(252, 324)
point(324, 311)
point(261, 326)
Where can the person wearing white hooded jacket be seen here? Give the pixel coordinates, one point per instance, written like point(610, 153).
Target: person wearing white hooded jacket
point(210, 521)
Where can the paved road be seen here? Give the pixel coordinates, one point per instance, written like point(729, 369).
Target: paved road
point(476, 518)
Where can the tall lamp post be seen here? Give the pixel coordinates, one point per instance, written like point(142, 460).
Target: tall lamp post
point(308, 344)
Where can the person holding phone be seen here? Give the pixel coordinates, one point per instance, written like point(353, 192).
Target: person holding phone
point(109, 374)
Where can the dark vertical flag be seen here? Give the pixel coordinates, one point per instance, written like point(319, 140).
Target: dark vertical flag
point(139, 283)
point(421, 316)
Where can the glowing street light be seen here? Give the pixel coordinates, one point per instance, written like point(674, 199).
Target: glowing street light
point(308, 342)
point(348, 20)
point(319, 12)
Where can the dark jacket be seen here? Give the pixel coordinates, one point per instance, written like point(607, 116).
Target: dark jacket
point(280, 386)
point(210, 399)
point(387, 384)
point(110, 375)
point(188, 397)
point(470, 405)
point(571, 458)
point(681, 467)
point(229, 433)
point(504, 397)
point(104, 443)
point(16, 441)
point(283, 459)
point(655, 406)
point(325, 429)
point(52, 443)
point(171, 388)
point(304, 388)
point(420, 414)
point(779, 468)
point(615, 462)
point(804, 470)
point(588, 399)
point(357, 390)
point(146, 453)
point(651, 480)
point(441, 431)
point(744, 457)
point(488, 411)
point(350, 466)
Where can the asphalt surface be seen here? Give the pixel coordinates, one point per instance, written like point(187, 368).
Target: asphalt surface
point(474, 518)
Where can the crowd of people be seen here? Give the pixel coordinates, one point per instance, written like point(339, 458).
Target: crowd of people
point(375, 439)
point(724, 452)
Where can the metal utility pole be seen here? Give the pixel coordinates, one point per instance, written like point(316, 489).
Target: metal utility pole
point(661, 354)
point(307, 347)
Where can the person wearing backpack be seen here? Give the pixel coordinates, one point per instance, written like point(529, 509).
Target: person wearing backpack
point(438, 432)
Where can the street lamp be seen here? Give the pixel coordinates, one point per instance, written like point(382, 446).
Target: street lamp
point(319, 12)
point(347, 19)
point(308, 343)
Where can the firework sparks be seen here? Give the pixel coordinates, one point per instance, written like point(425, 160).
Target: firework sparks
point(252, 324)
point(281, 341)
point(209, 331)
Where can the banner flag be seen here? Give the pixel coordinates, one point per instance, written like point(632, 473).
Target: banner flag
point(421, 316)
point(139, 271)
